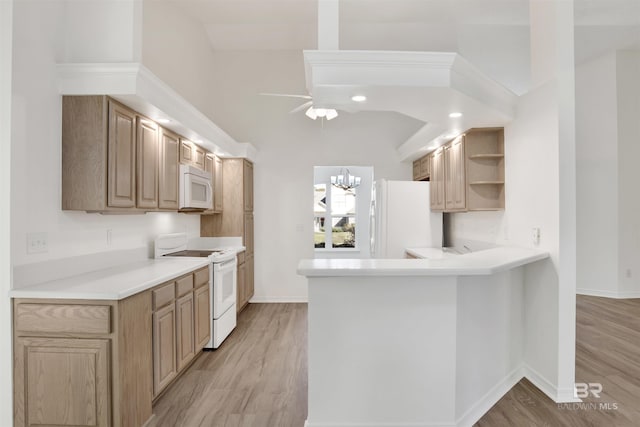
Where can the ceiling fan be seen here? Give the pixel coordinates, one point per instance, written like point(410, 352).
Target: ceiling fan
point(312, 112)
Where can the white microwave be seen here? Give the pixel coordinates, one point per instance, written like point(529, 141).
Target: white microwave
point(196, 191)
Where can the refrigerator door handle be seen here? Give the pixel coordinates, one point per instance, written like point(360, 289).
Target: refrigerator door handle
point(372, 228)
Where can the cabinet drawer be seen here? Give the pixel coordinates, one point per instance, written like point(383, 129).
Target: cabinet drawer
point(184, 285)
point(201, 277)
point(164, 295)
point(63, 318)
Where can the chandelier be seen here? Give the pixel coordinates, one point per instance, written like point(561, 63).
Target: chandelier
point(345, 180)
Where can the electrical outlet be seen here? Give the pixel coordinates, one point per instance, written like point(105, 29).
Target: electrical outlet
point(536, 236)
point(37, 243)
point(628, 273)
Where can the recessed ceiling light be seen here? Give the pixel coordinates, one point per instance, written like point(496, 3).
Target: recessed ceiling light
point(163, 120)
point(358, 98)
point(455, 115)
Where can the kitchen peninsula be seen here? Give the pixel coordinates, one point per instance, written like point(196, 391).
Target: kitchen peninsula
point(420, 342)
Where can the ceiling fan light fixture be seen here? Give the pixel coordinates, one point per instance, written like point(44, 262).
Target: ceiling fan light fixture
point(311, 113)
point(321, 112)
point(331, 114)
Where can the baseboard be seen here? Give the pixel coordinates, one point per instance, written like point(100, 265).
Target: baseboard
point(473, 414)
point(608, 294)
point(308, 424)
point(548, 388)
point(279, 299)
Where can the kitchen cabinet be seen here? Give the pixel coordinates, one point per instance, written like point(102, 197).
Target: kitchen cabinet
point(241, 282)
point(168, 196)
point(236, 218)
point(213, 165)
point(422, 168)
point(164, 347)
point(436, 188)
point(82, 362)
point(248, 185)
point(98, 154)
point(181, 325)
point(454, 181)
point(469, 172)
point(191, 154)
point(147, 163)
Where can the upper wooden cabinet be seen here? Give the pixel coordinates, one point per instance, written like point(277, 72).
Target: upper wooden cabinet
point(436, 190)
point(469, 172)
point(422, 168)
point(191, 154)
point(454, 178)
point(213, 165)
point(147, 157)
point(247, 180)
point(98, 154)
point(168, 197)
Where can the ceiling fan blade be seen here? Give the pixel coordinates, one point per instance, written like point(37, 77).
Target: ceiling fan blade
point(301, 107)
point(286, 95)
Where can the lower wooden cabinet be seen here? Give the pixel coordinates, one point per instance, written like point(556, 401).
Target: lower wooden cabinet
point(185, 321)
point(63, 382)
point(202, 315)
point(101, 363)
point(164, 348)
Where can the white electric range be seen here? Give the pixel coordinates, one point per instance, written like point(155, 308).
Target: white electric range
point(222, 279)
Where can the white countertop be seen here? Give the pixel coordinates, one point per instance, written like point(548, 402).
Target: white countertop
point(485, 262)
point(113, 283)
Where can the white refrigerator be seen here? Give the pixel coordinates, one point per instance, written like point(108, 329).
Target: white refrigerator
point(401, 218)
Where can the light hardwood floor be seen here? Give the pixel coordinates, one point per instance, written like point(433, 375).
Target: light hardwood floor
point(258, 378)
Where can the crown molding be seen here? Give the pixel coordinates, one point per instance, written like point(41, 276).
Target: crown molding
point(137, 87)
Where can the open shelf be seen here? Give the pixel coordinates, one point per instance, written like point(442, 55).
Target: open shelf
point(486, 183)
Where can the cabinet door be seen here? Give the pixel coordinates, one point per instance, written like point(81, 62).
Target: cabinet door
point(185, 330)
point(62, 382)
point(455, 199)
point(164, 347)
point(147, 156)
point(121, 187)
point(241, 285)
point(217, 184)
point(203, 316)
point(416, 170)
point(248, 186)
point(209, 165)
point(199, 157)
point(437, 180)
point(169, 170)
point(187, 152)
point(248, 288)
point(248, 233)
point(425, 169)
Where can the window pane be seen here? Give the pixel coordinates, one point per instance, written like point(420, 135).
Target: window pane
point(343, 202)
point(343, 232)
point(318, 232)
point(319, 199)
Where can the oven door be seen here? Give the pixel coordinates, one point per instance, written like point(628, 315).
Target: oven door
point(224, 286)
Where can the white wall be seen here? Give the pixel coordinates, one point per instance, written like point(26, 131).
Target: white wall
point(6, 389)
point(39, 42)
point(176, 49)
point(607, 110)
point(289, 146)
point(597, 168)
point(628, 94)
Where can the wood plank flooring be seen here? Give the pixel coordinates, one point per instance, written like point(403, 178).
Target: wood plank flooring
point(258, 378)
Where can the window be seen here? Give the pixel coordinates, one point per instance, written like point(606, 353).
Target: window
point(334, 216)
point(341, 217)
